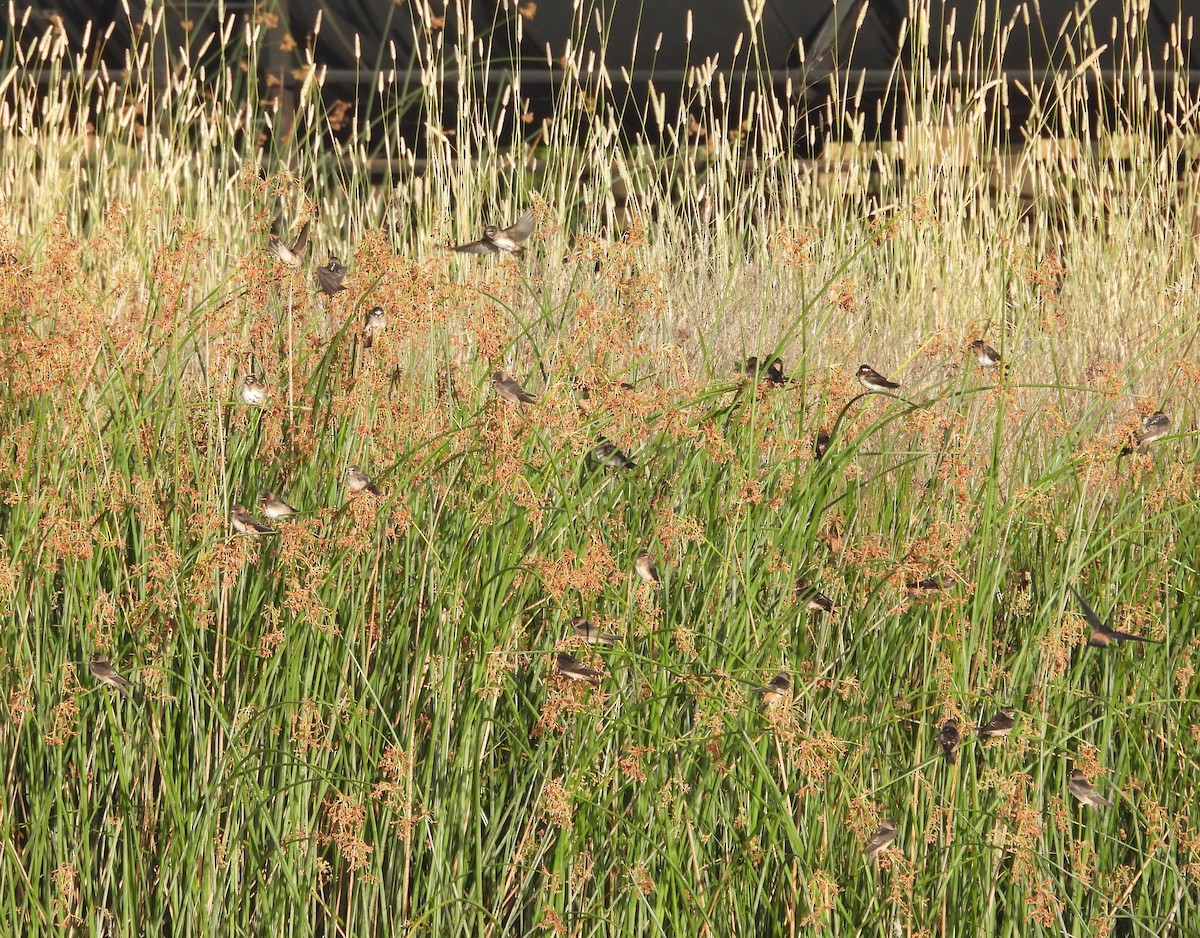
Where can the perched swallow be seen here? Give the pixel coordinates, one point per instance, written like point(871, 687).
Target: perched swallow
point(1000, 725)
point(105, 673)
point(497, 239)
point(948, 740)
point(510, 388)
point(985, 355)
point(359, 481)
point(772, 372)
point(293, 255)
point(872, 380)
point(252, 391)
point(591, 634)
point(821, 446)
point(330, 276)
point(814, 600)
point(571, 667)
point(275, 507)
point(930, 584)
point(1102, 635)
point(376, 322)
point(1083, 791)
point(1155, 427)
point(607, 454)
point(583, 391)
point(644, 567)
point(883, 837)
point(776, 689)
point(245, 523)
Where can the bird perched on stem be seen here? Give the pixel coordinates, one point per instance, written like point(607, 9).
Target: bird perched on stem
point(1082, 790)
point(883, 837)
point(103, 670)
point(872, 380)
point(1000, 725)
point(775, 689)
point(573, 669)
point(330, 276)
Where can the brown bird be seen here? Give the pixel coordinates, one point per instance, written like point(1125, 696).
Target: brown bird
point(985, 355)
point(1103, 636)
point(872, 380)
point(104, 672)
point(814, 600)
point(274, 507)
point(573, 669)
point(772, 372)
point(510, 388)
point(821, 446)
point(948, 740)
point(883, 837)
point(252, 391)
point(245, 523)
point(1154, 428)
point(1000, 725)
point(608, 454)
point(591, 634)
point(644, 567)
point(292, 255)
point(776, 689)
point(330, 276)
point(496, 240)
point(928, 585)
point(375, 323)
point(1082, 789)
point(359, 481)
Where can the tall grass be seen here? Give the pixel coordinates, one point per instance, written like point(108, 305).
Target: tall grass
point(355, 727)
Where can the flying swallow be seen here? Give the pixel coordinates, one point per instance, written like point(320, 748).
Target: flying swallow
point(644, 567)
point(1083, 791)
point(872, 380)
point(572, 668)
point(292, 255)
point(591, 634)
point(883, 837)
point(821, 446)
point(607, 454)
point(375, 323)
point(358, 481)
point(1102, 635)
point(1155, 427)
point(948, 740)
point(252, 390)
point(104, 672)
point(814, 600)
point(1000, 725)
point(274, 507)
point(330, 276)
point(497, 239)
point(985, 355)
point(772, 372)
point(245, 523)
point(776, 689)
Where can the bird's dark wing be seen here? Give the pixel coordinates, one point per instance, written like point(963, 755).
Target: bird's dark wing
point(475, 247)
point(1090, 614)
point(522, 228)
point(302, 238)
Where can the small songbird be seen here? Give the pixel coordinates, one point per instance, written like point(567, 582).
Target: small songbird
point(1155, 427)
point(644, 567)
point(583, 391)
point(772, 372)
point(821, 446)
point(1082, 789)
point(1102, 635)
point(572, 668)
point(1000, 725)
point(814, 600)
point(872, 380)
point(292, 255)
point(330, 276)
point(274, 507)
point(252, 391)
point(510, 388)
point(948, 740)
point(985, 355)
point(245, 523)
point(930, 584)
point(591, 634)
point(883, 837)
point(495, 239)
point(608, 454)
point(105, 673)
point(375, 323)
point(359, 481)
point(776, 689)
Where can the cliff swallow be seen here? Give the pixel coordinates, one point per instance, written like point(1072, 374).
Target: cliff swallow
point(814, 600)
point(510, 388)
point(1083, 791)
point(252, 391)
point(948, 740)
point(872, 380)
point(1103, 636)
point(293, 255)
point(245, 523)
point(375, 323)
point(883, 837)
point(591, 634)
point(330, 276)
point(607, 454)
point(644, 567)
point(496, 239)
point(572, 668)
point(104, 672)
point(776, 689)
point(985, 355)
point(359, 481)
point(274, 507)
point(1000, 725)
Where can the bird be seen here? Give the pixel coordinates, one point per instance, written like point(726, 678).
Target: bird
point(375, 323)
point(104, 672)
point(948, 740)
point(1103, 636)
point(776, 689)
point(292, 255)
point(1154, 427)
point(644, 567)
point(359, 481)
point(245, 523)
point(608, 454)
point(1000, 725)
point(930, 584)
point(772, 372)
point(1082, 789)
point(275, 507)
point(573, 669)
point(985, 355)
point(883, 837)
point(583, 390)
point(510, 388)
point(814, 600)
point(591, 634)
point(821, 446)
point(496, 239)
point(330, 276)
point(252, 391)
point(872, 380)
